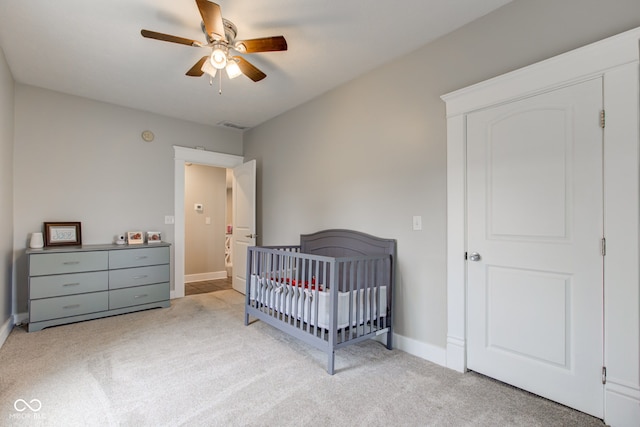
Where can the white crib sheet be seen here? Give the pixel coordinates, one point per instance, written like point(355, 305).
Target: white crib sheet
point(298, 302)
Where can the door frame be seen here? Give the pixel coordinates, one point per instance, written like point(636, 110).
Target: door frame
point(183, 155)
point(616, 60)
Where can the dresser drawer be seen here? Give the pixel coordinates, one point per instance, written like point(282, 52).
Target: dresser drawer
point(128, 277)
point(127, 297)
point(126, 258)
point(67, 284)
point(67, 262)
point(72, 305)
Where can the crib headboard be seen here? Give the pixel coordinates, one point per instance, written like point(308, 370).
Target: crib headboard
point(345, 243)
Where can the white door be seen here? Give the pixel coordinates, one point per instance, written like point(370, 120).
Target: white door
point(535, 219)
point(244, 220)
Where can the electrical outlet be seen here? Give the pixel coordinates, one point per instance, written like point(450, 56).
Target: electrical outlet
point(169, 219)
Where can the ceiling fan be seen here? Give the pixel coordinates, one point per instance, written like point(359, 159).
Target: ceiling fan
point(221, 38)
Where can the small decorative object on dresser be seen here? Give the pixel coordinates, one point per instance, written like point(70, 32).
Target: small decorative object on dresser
point(154, 237)
point(135, 237)
point(62, 234)
point(36, 241)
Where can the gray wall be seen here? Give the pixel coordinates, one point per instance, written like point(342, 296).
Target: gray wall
point(204, 243)
point(81, 160)
point(371, 154)
point(6, 188)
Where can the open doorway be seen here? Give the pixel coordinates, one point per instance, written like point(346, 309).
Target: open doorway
point(208, 226)
point(184, 155)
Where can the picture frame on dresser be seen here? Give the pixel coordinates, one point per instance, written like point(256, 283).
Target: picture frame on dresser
point(154, 237)
point(135, 237)
point(63, 233)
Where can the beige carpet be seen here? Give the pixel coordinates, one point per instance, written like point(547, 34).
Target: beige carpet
point(195, 363)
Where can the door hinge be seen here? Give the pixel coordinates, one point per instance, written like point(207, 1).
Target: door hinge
point(604, 375)
point(602, 117)
point(466, 256)
point(603, 246)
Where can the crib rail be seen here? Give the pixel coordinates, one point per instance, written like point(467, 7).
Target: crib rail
point(327, 302)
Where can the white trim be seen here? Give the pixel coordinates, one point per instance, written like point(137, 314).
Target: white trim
point(456, 354)
point(201, 157)
point(437, 355)
point(19, 318)
point(581, 63)
point(201, 277)
point(622, 405)
point(616, 60)
point(456, 243)
point(6, 329)
point(431, 353)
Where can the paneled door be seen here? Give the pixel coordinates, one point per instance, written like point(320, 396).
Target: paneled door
point(244, 221)
point(534, 241)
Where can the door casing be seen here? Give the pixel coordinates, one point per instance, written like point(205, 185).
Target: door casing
point(201, 157)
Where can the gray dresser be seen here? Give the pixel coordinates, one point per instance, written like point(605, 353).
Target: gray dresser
point(70, 284)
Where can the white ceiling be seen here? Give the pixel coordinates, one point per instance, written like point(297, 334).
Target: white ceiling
point(94, 49)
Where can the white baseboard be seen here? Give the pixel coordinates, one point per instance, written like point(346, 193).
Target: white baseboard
point(622, 405)
point(456, 354)
point(432, 353)
point(21, 318)
point(201, 277)
point(5, 330)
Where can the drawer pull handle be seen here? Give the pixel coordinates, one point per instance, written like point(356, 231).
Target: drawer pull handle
point(140, 296)
point(142, 257)
point(139, 277)
point(71, 284)
point(71, 262)
point(66, 307)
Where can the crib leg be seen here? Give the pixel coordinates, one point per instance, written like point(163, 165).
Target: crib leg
point(330, 363)
point(390, 339)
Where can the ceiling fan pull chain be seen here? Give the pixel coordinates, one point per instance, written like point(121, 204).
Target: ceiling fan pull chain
point(220, 87)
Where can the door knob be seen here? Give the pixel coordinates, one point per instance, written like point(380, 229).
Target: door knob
point(475, 256)
point(251, 236)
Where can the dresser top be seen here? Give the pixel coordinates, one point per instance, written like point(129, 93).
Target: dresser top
point(88, 248)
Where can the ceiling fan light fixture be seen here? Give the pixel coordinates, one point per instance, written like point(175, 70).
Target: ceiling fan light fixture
point(233, 70)
point(219, 57)
point(208, 68)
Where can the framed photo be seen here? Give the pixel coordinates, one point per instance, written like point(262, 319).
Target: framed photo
point(135, 237)
point(62, 233)
point(154, 237)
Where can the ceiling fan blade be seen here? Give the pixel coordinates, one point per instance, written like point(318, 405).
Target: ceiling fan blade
point(196, 70)
point(264, 44)
point(212, 18)
point(249, 69)
point(169, 38)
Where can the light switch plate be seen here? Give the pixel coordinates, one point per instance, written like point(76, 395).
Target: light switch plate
point(417, 222)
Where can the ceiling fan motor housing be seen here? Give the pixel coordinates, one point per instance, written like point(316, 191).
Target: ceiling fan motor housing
point(230, 31)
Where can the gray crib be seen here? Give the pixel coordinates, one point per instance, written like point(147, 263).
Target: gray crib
point(332, 290)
